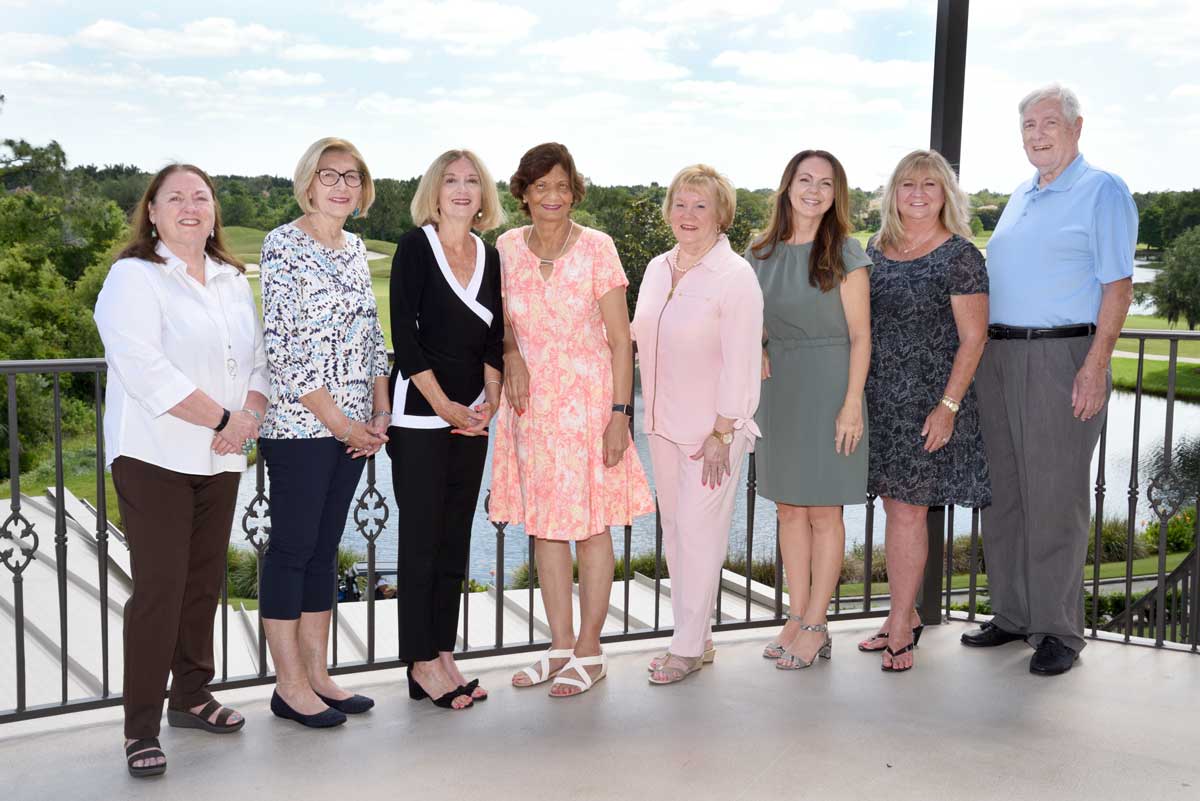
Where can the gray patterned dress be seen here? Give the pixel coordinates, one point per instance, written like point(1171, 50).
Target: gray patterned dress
point(913, 342)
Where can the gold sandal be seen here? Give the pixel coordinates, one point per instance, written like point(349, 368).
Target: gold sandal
point(674, 671)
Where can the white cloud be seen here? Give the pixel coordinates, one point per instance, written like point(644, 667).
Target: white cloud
point(803, 65)
point(822, 22)
point(628, 54)
point(315, 51)
point(458, 24)
point(206, 38)
point(1186, 90)
point(20, 47)
point(681, 12)
point(272, 77)
point(42, 74)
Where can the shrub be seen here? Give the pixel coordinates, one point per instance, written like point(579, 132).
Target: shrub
point(1181, 533)
point(1113, 541)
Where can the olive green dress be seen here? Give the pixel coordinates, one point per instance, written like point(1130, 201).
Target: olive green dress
point(809, 348)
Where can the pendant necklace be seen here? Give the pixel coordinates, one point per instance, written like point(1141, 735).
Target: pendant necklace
point(544, 263)
point(922, 241)
point(231, 365)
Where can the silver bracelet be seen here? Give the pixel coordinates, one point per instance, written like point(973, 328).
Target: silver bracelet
point(257, 416)
point(345, 437)
point(381, 414)
point(493, 381)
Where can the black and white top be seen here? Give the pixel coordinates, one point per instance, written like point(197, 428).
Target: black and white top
point(321, 327)
point(438, 325)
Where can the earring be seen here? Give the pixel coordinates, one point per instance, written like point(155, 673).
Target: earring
point(153, 231)
point(212, 234)
point(479, 214)
point(355, 212)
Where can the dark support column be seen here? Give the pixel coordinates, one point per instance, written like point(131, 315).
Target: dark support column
point(949, 79)
point(929, 601)
point(945, 136)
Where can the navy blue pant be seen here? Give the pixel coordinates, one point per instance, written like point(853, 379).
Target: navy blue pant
point(312, 483)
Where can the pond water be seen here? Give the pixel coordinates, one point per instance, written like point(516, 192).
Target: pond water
point(1118, 459)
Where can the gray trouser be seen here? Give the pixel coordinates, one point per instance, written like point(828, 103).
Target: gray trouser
point(1035, 533)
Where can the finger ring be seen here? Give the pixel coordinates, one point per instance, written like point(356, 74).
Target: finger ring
point(247, 446)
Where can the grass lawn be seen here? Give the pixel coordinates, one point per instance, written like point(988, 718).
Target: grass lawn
point(1157, 346)
point(1141, 567)
point(1154, 378)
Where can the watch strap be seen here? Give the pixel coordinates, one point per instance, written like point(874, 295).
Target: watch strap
point(623, 408)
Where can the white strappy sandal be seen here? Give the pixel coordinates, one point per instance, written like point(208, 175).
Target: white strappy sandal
point(585, 681)
point(543, 672)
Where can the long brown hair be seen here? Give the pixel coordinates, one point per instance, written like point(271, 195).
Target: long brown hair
point(825, 266)
point(142, 240)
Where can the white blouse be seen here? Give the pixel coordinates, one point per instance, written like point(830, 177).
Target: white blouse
point(165, 335)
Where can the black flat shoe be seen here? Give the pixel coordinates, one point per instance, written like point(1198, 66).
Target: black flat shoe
point(417, 693)
point(469, 689)
point(139, 750)
point(989, 635)
point(1052, 657)
point(354, 705)
point(324, 719)
point(883, 635)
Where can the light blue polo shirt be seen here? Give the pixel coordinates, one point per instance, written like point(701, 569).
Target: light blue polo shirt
point(1053, 248)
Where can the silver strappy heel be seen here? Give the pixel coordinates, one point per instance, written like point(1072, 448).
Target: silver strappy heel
point(774, 648)
point(789, 661)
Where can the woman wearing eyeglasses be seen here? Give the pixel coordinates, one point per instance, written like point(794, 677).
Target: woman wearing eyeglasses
point(329, 410)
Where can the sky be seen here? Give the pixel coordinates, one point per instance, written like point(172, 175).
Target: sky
point(635, 88)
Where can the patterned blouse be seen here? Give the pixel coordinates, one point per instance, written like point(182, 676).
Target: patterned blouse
point(321, 329)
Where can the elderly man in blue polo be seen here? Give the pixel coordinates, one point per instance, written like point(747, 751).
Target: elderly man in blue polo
point(1060, 265)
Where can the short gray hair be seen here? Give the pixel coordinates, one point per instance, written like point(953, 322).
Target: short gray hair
point(1067, 100)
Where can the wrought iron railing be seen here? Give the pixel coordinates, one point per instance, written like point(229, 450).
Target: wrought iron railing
point(21, 542)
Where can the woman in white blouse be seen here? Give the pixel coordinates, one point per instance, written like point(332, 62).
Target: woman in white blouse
point(329, 410)
point(187, 387)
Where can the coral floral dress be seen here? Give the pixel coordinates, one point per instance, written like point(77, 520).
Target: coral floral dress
point(548, 468)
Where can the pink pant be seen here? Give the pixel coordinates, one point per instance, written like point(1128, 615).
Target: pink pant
point(695, 524)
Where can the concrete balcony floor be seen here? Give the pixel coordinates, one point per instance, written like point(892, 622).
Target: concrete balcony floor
point(965, 724)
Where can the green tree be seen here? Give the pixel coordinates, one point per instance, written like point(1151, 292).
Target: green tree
point(1176, 289)
point(976, 225)
point(1150, 226)
point(70, 233)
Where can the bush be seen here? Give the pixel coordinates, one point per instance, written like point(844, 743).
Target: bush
point(761, 571)
point(1181, 533)
point(1114, 539)
point(1109, 606)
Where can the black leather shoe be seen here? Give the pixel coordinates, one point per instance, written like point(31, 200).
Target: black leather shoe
point(1052, 657)
point(989, 636)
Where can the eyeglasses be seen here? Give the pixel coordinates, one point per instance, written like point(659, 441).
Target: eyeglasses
point(329, 177)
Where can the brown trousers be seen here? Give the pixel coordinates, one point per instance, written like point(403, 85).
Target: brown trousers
point(177, 526)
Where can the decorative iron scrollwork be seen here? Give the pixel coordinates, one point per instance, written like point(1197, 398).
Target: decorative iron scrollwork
point(18, 531)
point(371, 511)
point(1167, 493)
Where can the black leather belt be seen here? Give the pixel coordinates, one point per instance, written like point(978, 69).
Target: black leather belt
point(1058, 332)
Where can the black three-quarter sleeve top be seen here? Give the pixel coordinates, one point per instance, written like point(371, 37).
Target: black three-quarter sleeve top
point(437, 325)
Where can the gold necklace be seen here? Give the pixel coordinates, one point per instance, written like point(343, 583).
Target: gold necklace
point(923, 240)
point(550, 262)
point(675, 266)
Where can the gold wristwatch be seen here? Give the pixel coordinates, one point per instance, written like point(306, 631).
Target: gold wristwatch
point(950, 403)
point(725, 438)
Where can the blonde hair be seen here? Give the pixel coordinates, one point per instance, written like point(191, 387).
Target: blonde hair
point(306, 173)
point(707, 178)
point(424, 206)
point(955, 215)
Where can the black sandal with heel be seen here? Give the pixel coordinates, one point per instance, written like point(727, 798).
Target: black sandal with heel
point(417, 693)
point(139, 750)
point(883, 635)
point(893, 654)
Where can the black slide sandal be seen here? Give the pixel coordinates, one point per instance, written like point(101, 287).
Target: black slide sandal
point(186, 719)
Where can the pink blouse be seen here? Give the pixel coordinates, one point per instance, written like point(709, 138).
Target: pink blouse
point(699, 345)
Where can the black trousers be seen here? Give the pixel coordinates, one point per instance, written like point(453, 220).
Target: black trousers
point(312, 485)
point(177, 526)
point(436, 477)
